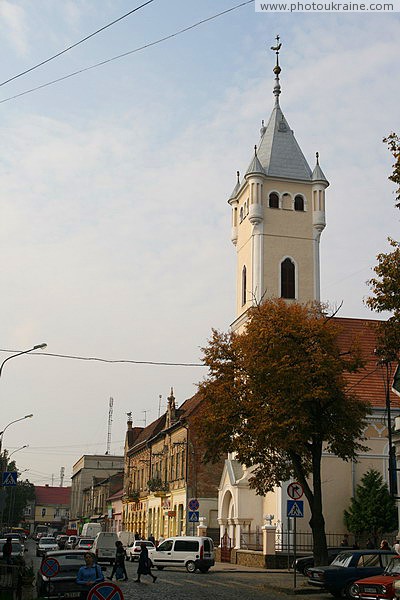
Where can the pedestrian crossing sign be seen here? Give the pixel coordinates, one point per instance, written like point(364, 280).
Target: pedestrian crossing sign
point(193, 516)
point(295, 508)
point(9, 478)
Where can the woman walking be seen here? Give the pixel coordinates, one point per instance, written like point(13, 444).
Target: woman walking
point(89, 575)
point(119, 563)
point(144, 566)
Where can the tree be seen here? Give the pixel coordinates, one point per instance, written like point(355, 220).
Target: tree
point(393, 142)
point(15, 498)
point(372, 511)
point(276, 395)
point(386, 297)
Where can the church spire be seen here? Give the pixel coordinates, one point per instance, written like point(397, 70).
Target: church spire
point(277, 70)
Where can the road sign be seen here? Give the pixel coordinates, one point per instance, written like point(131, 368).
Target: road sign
point(105, 591)
point(9, 478)
point(193, 504)
point(49, 567)
point(295, 508)
point(193, 516)
point(295, 490)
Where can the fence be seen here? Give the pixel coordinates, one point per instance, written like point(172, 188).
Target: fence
point(284, 541)
point(251, 540)
point(8, 580)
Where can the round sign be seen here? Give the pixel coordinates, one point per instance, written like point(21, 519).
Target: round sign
point(105, 591)
point(50, 567)
point(295, 490)
point(193, 504)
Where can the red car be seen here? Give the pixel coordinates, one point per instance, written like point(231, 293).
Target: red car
point(380, 586)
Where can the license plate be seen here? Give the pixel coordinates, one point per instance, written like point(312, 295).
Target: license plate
point(72, 594)
point(370, 590)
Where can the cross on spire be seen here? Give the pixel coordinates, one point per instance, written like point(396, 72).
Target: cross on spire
point(277, 70)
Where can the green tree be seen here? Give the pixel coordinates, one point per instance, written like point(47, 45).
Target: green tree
point(372, 511)
point(15, 498)
point(393, 142)
point(276, 395)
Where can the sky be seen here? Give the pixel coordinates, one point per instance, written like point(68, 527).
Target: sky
point(114, 222)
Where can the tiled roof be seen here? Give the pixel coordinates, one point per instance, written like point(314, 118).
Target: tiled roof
point(369, 382)
point(46, 495)
point(117, 496)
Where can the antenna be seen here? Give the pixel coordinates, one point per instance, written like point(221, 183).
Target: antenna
point(159, 405)
point(110, 415)
point(62, 472)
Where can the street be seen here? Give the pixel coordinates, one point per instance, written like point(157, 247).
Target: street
point(223, 582)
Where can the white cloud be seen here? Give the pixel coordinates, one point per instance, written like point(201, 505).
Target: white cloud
point(13, 26)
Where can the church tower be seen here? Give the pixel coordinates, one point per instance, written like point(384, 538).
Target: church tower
point(278, 215)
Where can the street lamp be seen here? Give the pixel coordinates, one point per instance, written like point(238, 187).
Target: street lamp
point(16, 421)
point(37, 347)
point(17, 450)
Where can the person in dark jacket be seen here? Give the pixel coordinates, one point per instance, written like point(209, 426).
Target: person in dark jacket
point(120, 556)
point(144, 567)
point(7, 551)
point(89, 575)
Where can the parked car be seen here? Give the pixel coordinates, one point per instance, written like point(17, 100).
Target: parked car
point(338, 577)
point(17, 547)
point(104, 546)
point(61, 540)
point(133, 549)
point(380, 586)
point(62, 585)
point(71, 542)
point(84, 543)
point(305, 562)
point(46, 544)
point(185, 551)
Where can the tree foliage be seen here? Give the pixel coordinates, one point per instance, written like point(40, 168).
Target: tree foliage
point(385, 296)
point(372, 511)
point(393, 142)
point(15, 498)
point(276, 395)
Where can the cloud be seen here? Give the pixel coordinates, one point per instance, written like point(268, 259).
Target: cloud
point(13, 26)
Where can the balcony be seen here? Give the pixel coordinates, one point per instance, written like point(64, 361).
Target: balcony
point(157, 487)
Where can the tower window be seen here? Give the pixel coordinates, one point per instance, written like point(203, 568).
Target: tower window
point(273, 200)
point(241, 214)
point(288, 272)
point(244, 284)
point(299, 203)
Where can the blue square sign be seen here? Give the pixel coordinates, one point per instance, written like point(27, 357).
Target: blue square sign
point(9, 478)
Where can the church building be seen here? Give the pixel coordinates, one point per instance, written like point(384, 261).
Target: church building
point(278, 215)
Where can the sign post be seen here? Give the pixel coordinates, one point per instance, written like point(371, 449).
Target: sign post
point(295, 509)
point(49, 568)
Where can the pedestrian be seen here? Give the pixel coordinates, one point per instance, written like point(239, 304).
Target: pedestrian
point(370, 544)
point(345, 541)
point(89, 575)
point(119, 562)
point(144, 566)
point(152, 539)
point(137, 536)
point(7, 551)
point(396, 546)
point(384, 545)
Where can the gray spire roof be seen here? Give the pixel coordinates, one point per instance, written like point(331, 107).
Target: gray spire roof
point(236, 188)
point(318, 174)
point(279, 154)
point(255, 167)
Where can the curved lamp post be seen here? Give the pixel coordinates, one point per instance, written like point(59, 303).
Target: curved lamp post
point(17, 450)
point(16, 421)
point(38, 347)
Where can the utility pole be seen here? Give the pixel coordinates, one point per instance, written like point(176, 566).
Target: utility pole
point(62, 472)
point(110, 416)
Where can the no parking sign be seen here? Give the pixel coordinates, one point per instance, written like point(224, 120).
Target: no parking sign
point(105, 591)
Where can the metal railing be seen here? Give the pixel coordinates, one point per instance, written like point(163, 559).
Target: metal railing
point(8, 577)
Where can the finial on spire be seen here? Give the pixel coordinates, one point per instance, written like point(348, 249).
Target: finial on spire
point(238, 176)
point(277, 70)
point(255, 150)
point(317, 157)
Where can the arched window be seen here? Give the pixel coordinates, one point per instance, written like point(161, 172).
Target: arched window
point(299, 203)
point(244, 283)
point(273, 200)
point(241, 214)
point(288, 273)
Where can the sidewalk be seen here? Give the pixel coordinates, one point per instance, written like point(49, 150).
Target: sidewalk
point(281, 580)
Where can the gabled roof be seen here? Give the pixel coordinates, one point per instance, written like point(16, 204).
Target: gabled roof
point(368, 382)
point(46, 495)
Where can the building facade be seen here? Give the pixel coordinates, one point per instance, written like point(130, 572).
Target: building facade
point(163, 470)
point(52, 507)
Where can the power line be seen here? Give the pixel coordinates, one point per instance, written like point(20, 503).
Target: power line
point(76, 44)
point(111, 361)
point(104, 62)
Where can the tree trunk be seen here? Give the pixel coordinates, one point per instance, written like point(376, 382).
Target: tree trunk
point(317, 521)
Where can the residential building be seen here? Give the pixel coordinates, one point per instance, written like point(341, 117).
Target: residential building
point(95, 506)
point(88, 466)
point(114, 510)
point(163, 470)
point(52, 506)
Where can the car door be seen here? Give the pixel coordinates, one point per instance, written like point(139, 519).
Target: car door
point(162, 556)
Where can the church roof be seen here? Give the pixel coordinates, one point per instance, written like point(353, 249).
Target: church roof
point(279, 154)
point(255, 167)
point(318, 174)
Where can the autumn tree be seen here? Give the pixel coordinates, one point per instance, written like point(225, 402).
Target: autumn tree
point(393, 142)
point(276, 395)
point(372, 511)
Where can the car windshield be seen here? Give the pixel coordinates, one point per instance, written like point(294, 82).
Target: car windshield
point(342, 560)
point(393, 567)
point(69, 563)
point(47, 541)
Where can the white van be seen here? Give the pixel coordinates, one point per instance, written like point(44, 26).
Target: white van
point(126, 537)
point(90, 530)
point(185, 551)
point(104, 546)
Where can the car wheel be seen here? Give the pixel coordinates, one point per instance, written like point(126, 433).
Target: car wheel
point(190, 566)
point(350, 591)
point(159, 568)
